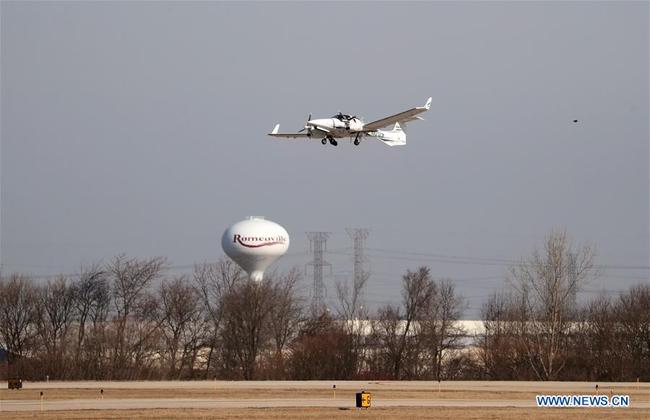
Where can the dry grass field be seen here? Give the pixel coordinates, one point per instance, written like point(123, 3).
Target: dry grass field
point(374, 413)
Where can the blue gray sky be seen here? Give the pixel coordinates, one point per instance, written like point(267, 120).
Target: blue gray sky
point(139, 128)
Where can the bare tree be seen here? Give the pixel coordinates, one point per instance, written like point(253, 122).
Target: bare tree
point(353, 316)
point(53, 315)
point(134, 307)
point(182, 325)
point(245, 332)
point(16, 319)
point(396, 333)
point(144, 338)
point(597, 354)
point(321, 350)
point(631, 313)
point(285, 315)
point(112, 323)
point(388, 339)
point(213, 282)
point(350, 306)
point(91, 304)
point(546, 283)
point(501, 352)
point(440, 329)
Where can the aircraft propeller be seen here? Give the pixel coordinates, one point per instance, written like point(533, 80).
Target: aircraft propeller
point(306, 126)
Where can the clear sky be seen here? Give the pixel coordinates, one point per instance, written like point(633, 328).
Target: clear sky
point(139, 127)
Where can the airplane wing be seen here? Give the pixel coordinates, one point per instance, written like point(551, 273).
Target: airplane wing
point(276, 129)
point(405, 116)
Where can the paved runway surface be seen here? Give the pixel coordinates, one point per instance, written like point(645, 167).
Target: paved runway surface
point(147, 403)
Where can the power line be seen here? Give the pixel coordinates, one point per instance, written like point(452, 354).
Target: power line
point(396, 255)
point(460, 260)
point(487, 259)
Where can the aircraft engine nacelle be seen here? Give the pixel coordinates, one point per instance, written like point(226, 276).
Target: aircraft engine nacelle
point(356, 125)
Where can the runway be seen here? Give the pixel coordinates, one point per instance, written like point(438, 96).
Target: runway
point(291, 394)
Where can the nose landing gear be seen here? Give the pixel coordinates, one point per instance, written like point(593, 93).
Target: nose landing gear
point(331, 140)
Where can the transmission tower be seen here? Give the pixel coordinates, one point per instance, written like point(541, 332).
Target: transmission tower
point(318, 245)
point(359, 237)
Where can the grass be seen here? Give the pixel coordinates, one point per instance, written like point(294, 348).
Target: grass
point(374, 413)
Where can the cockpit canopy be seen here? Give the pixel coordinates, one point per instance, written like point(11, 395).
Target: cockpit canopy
point(342, 117)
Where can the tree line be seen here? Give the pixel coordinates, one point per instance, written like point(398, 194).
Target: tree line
point(128, 319)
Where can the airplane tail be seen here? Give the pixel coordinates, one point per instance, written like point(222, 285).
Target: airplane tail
point(394, 137)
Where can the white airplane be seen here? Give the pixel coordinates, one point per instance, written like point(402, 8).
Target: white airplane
point(342, 125)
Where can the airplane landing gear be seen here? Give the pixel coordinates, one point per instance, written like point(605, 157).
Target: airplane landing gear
point(356, 140)
point(329, 139)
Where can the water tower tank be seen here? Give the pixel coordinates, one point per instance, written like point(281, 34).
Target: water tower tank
point(254, 244)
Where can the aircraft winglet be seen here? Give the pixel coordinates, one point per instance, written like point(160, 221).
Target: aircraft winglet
point(428, 104)
point(276, 129)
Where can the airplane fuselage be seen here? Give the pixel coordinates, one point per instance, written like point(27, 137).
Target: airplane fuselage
point(334, 127)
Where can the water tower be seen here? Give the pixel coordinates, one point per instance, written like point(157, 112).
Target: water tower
point(254, 244)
